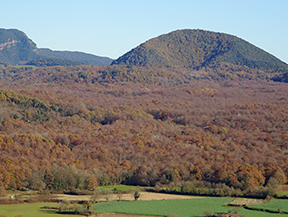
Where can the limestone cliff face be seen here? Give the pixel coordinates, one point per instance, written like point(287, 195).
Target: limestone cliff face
point(15, 47)
point(8, 44)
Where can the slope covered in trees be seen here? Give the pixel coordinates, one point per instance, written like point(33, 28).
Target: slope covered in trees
point(53, 62)
point(76, 127)
point(17, 48)
point(198, 48)
point(76, 56)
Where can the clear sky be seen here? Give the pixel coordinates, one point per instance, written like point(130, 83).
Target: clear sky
point(113, 27)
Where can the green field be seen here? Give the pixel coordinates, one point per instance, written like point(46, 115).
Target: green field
point(31, 210)
point(251, 213)
point(273, 205)
point(282, 193)
point(183, 207)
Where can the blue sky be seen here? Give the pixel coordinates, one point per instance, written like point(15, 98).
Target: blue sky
point(113, 27)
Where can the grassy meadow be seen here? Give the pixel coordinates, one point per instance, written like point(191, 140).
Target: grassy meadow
point(273, 205)
point(31, 210)
point(283, 192)
point(181, 207)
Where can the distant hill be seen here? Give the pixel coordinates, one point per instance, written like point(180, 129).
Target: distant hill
point(75, 56)
point(198, 48)
point(16, 47)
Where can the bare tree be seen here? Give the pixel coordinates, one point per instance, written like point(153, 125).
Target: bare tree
point(97, 195)
point(107, 194)
point(119, 195)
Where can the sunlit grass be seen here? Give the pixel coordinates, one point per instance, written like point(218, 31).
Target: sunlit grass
point(181, 207)
point(31, 210)
point(273, 205)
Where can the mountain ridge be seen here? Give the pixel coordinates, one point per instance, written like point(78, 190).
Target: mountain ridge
point(189, 49)
point(198, 48)
point(16, 47)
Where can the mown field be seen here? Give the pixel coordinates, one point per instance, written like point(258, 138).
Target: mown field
point(273, 205)
point(283, 191)
point(31, 210)
point(182, 208)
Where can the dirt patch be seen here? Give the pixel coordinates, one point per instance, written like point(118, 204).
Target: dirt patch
point(127, 197)
point(245, 202)
point(159, 196)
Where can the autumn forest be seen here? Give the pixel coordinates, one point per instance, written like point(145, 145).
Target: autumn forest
point(65, 128)
point(215, 123)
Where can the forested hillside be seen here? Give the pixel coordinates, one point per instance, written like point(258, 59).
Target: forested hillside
point(52, 62)
point(75, 56)
point(79, 126)
point(194, 49)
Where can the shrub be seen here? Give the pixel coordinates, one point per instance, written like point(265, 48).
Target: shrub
point(64, 205)
point(88, 205)
point(207, 213)
point(172, 214)
point(137, 194)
